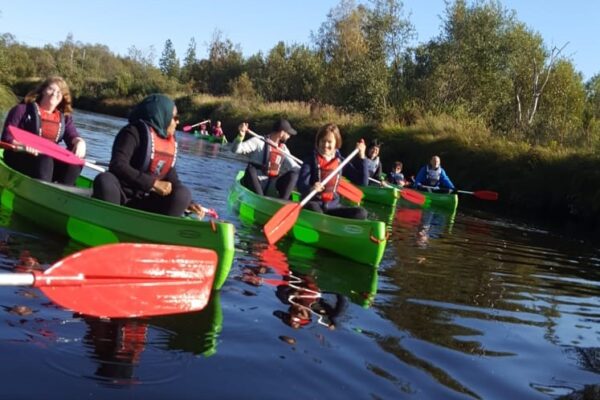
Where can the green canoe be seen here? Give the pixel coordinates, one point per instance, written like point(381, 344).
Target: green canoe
point(441, 201)
point(211, 138)
point(72, 212)
point(380, 195)
point(359, 240)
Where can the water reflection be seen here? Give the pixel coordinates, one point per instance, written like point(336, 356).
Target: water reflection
point(195, 333)
point(116, 346)
point(310, 294)
point(424, 224)
point(190, 144)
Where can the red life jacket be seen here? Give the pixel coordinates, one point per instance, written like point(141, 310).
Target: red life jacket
point(49, 125)
point(325, 168)
point(272, 160)
point(161, 154)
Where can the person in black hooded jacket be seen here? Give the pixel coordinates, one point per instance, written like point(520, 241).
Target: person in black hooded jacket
point(142, 172)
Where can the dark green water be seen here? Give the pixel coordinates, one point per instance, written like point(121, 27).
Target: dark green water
point(464, 306)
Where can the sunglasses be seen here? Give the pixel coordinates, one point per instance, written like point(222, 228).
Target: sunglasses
point(176, 118)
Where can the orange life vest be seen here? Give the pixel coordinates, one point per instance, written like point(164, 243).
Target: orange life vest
point(47, 125)
point(325, 168)
point(161, 154)
point(273, 158)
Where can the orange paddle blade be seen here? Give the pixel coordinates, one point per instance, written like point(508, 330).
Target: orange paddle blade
point(130, 280)
point(412, 196)
point(349, 191)
point(486, 195)
point(281, 222)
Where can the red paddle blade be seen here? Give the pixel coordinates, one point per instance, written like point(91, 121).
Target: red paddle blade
point(187, 128)
point(349, 191)
point(486, 195)
point(44, 146)
point(130, 280)
point(412, 196)
point(281, 222)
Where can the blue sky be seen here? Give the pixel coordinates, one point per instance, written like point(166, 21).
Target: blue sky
point(260, 24)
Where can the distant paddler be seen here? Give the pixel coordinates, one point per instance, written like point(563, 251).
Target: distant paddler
point(433, 177)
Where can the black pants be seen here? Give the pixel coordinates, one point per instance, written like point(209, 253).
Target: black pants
point(43, 167)
point(285, 183)
point(107, 187)
point(344, 212)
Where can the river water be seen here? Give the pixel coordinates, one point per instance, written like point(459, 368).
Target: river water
point(463, 306)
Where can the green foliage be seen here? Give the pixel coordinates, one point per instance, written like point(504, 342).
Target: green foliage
point(224, 63)
point(356, 44)
point(291, 73)
point(242, 89)
point(169, 63)
point(188, 62)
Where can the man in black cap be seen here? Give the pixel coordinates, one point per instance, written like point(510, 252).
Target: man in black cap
point(268, 165)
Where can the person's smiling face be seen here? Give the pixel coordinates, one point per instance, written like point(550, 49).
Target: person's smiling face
point(51, 97)
point(327, 145)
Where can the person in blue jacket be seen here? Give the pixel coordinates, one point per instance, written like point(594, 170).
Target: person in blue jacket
point(323, 160)
point(433, 176)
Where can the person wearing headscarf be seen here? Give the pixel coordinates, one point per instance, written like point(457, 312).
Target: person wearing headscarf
point(45, 111)
point(142, 172)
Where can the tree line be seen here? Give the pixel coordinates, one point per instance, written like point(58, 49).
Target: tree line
point(485, 65)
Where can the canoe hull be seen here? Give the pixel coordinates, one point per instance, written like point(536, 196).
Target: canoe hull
point(359, 240)
point(92, 222)
point(441, 201)
point(381, 195)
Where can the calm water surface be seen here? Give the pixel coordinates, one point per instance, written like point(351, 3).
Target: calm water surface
point(464, 306)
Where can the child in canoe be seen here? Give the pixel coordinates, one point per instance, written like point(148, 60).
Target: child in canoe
point(396, 177)
point(325, 158)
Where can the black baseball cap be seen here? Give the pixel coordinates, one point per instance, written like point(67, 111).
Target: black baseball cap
point(284, 125)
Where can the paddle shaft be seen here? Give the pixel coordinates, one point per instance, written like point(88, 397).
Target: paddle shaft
point(385, 184)
point(22, 279)
point(273, 144)
point(329, 177)
point(188, 127)
point(435, 188)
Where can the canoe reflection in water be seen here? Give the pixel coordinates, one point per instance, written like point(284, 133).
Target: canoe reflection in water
point(300, 291)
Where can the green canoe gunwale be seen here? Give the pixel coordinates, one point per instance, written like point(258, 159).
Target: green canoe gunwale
point(381, 195)
point(71, 212)
point(363, 241)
